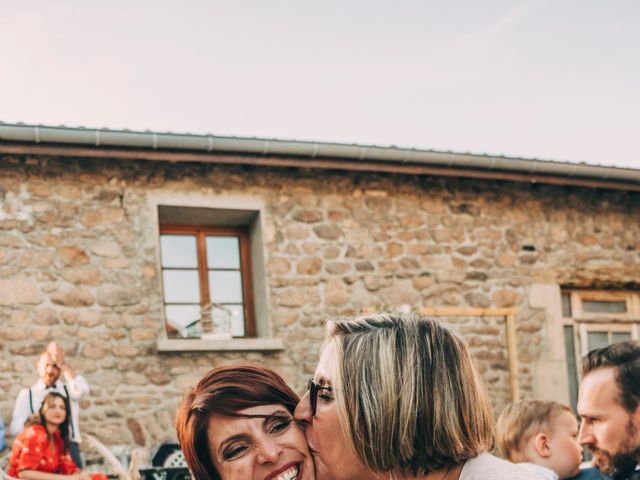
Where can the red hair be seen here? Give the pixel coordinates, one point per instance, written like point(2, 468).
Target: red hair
point(225, 391)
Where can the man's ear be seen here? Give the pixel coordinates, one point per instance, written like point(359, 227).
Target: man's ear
point(541, 444)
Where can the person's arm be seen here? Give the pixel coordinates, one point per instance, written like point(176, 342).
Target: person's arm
point(78, 385)
point(21, 412)
point(2, 445)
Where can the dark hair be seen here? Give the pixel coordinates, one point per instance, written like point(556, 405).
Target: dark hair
point(225, 391)
point(624, 357)
point(64, 426)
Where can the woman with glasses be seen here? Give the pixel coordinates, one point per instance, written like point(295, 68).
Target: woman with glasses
point(398, 397)
point(237, 424)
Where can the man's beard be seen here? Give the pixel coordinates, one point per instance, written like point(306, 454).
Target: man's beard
point(622, 462)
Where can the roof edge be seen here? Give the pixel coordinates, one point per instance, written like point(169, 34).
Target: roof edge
point(98, 139)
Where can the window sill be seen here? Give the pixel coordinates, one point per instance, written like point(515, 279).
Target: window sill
point(233, 345)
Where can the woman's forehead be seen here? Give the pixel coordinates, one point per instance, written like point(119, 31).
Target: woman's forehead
point(54, 400)
point(327, 365)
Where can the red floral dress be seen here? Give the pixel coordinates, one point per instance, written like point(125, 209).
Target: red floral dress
point(31, 451)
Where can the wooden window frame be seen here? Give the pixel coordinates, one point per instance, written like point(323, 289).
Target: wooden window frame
point(583, 322)
point(577, 297)
point(201, 232)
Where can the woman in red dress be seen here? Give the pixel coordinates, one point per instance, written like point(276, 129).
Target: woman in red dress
point(41, 451)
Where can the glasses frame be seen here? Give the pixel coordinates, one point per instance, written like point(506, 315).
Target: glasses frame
point(314, 388)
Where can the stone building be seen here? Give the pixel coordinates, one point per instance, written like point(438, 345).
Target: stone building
point(152, 257)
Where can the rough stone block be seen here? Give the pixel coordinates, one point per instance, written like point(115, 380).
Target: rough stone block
point(116, 295)
point(506, 298)
point(72, 257)
point(328, 231)
point(18, 291)
point(83, 276)
point(102, 216)
point(75, 297)
point(279, 266)
point(309, 266)
point(307, 216)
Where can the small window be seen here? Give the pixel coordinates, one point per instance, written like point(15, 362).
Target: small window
point(604, 306)
point(594, 319)
point(206, 277)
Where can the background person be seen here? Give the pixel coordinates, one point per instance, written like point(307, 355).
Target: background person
point(609, 404)
point(396, 396)
point(50, 366)
point(2, 441)
point(541, 435)
point(41, 450)
point(237, 424)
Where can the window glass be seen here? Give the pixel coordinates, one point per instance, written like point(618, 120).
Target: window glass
point(597, 340)
point(617, 337)
point(178, 251)
point(184, 319)
point(569, 345)
point(203, 268)
point(229, 318)
point(225, 286)
point(223, 252)
point(237, 320)
point(593, 306)
point(566, 305)
point(181, 286)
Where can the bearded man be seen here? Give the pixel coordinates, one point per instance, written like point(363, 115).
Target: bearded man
point(609, 404)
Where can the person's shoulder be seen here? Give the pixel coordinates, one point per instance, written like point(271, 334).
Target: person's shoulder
point(34, 431)
point(488, 467)
point(34, 434)
point(23, 392)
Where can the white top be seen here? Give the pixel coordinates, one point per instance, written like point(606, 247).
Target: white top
point(21, 411)
point(544, 472)
point(488, 467)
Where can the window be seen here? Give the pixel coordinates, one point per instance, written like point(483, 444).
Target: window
point(594, 319)
point(206, 277)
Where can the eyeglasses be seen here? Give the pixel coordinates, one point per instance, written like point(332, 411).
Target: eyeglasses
point(314, 388)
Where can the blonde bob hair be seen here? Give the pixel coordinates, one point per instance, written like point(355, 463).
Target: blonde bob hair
point(408, 395)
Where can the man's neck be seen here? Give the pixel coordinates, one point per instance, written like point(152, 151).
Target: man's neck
point(44, 384)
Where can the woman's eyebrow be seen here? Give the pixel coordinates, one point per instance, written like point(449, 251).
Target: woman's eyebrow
point(323, 381)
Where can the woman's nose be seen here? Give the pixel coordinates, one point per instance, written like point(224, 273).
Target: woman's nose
point(302, 412)
point(269, 451)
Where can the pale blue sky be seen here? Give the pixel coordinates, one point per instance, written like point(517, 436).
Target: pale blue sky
point(551, 79)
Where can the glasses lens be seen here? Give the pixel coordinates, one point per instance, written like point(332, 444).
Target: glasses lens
point(313, 396)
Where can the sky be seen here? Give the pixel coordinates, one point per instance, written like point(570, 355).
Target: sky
point(549, 79)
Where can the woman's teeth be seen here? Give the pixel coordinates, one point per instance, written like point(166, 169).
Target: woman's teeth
point(289, 474)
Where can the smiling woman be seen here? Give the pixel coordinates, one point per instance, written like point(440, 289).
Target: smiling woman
point(237, 424)
point(41, 450)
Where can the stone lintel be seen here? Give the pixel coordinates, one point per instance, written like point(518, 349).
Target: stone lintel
point(233, 345)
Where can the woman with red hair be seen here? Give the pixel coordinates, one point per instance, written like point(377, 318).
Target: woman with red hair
point(237, 424)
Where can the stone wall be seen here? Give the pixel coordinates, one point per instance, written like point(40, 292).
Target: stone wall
point(78, 265)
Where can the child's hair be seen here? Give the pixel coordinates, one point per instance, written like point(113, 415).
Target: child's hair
point(522, 420)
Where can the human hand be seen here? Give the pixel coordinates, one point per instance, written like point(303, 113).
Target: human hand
point(56, 353)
